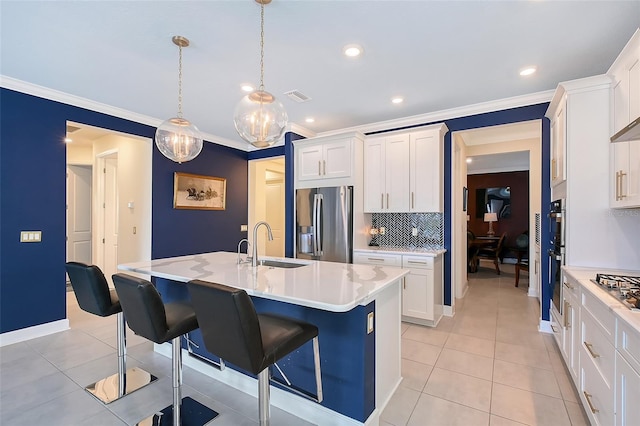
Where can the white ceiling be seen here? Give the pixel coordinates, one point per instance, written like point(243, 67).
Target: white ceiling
point(436, 54)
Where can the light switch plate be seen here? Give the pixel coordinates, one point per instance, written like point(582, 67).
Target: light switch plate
point(370, 322)
point(243, 228)
point(30, 236)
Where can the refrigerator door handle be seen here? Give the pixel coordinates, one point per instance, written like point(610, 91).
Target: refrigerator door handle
point(319, 213)
point(315, 224)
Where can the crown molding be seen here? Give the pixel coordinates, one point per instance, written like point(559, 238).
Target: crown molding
point(448, 114)
point(66, 98)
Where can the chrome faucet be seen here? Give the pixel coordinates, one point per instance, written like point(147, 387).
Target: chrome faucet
point(248, 245)
point(254, 257)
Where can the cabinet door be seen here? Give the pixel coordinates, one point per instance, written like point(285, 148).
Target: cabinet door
point(374, 175)
point(558, 145)
point(426, 165)
point(627, 392)
point(596, 394)
point(620, 103)
point(417, 295)
point(337, 159)
point(397, 174)
point(309, 162)
point(625, 178)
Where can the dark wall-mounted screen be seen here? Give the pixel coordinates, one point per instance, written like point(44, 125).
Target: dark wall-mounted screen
point(493, 200)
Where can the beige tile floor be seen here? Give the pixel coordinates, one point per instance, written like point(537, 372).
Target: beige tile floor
point(488, 365)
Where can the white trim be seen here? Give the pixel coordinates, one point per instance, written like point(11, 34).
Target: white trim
point(448, 311)
point(447, 114)
point(66, 98)
point(28, 333)
point(287, 401)
point(545, 327)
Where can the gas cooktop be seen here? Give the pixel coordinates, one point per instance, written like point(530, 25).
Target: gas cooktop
point(624, 288)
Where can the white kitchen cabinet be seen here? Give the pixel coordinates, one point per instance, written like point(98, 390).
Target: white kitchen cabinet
point(386, 174)
point(422, 289)
point(403, 171)
point(327, 161)
point(597, 360)
point(625, 174)
point(627, 375)
point(625, 107)
point(571, 326)
point(559, 142)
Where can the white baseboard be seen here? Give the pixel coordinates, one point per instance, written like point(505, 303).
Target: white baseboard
point(29, 333)
point(545, 327)
point(448, 311)
point(294, 404)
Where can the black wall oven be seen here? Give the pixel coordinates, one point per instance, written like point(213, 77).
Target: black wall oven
point(556, 252)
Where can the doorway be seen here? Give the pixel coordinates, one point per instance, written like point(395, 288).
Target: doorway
point(267, 203)
point(79, 195)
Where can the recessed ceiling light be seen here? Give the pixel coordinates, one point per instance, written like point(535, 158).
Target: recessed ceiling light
point(309, 119)
point(527, 71)
point(397, 100)
point(352, 50)
point(469, 160)
point(247, 88)
point(68, 140)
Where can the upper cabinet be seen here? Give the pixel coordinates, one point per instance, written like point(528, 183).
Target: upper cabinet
point(403, 171)
point(558, 142)
point(327, 160)
point(625, 108)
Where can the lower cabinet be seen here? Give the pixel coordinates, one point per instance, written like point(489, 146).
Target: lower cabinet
point(422, 289)
point(627, 393)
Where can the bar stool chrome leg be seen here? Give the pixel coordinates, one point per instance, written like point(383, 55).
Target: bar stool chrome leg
point(264, 410)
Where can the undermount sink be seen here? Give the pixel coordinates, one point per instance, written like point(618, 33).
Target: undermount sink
point(280, 264)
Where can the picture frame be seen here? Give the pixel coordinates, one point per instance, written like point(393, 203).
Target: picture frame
point(465, 198)
point(198, 192)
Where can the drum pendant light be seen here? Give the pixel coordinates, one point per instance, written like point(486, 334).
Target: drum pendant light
point(176, 138)
point(259, 118)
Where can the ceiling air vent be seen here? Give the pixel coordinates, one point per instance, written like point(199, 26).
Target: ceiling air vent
point(297, 96)
point(71, 129)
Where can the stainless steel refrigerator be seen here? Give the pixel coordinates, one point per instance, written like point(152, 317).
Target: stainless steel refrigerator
point(324, 224)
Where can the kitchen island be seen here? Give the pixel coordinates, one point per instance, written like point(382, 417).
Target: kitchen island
point(357, 309)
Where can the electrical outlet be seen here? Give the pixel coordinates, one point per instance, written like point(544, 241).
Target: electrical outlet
point(414, 232)
point(381, 231)
point(370, 323)
point(243, 228)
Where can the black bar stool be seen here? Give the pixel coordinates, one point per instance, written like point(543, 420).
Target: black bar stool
point(232, 330)
point(94, 296)
point(150, 318)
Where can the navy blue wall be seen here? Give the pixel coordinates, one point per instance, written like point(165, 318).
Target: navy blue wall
point(32, 197)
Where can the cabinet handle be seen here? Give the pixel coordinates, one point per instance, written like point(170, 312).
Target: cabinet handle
point(617, 186)
point(375, 259)
point(588, 398)
point(567, 307)
point(412, 200)
point(319, 168)
point(553, 328)
point(567, 285)
point(554, 175)
point(404, 285)
point(324, 167)
point(416, 262)
point(387, 200)
point(381, 201)
point(622, 195)
point(589, 347)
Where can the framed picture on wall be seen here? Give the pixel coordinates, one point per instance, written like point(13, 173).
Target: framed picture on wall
point(197, 192)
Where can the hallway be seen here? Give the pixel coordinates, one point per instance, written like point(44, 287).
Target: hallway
point(486, 366)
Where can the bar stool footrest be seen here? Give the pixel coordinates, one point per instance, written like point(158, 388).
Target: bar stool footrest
point(192, 413)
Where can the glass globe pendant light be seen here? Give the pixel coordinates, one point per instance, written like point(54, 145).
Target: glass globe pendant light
point(259, 118)
point(176, 138)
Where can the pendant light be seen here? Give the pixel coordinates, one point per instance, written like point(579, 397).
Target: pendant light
point(176, 138)
point(259, 118)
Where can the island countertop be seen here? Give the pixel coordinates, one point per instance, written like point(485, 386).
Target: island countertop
point(330, 286)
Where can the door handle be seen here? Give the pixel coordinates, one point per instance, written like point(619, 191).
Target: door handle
point(319, 233)
point(315, 224)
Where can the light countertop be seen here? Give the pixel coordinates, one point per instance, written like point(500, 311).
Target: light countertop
point(585, 275)
point(401, 250)
point(330, 286)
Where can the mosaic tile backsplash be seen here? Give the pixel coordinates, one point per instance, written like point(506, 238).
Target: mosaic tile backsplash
point(399, 226)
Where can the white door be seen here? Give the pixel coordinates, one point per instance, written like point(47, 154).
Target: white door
point(110, 217)
point(274, 193)
point(79, 214)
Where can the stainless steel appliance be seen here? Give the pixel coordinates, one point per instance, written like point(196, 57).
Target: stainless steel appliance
point(556, 252)
point(324, 224)
point(624, 288)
